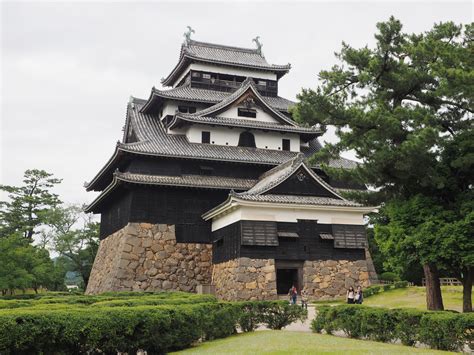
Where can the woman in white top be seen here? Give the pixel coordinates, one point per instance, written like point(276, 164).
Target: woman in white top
point(350, 295)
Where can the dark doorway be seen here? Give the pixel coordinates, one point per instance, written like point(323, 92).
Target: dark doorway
point(286, 278)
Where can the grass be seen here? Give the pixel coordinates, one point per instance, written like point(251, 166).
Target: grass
point(286, 342)
point(415, 297)
point(410, 297)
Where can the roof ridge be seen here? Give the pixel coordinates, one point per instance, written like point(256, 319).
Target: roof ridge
point(222, 46)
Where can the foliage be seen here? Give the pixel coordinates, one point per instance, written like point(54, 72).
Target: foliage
point(439, 330)
point(280, 314)
point(389, 276)
point(406, 107)
point(75, 236)
point(126, 322)
point(23, 265)
point(28, 205)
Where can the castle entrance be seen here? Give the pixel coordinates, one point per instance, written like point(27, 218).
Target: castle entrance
point(288, 273)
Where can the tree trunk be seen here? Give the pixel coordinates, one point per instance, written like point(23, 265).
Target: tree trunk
point(466, 280)
point(434, 299)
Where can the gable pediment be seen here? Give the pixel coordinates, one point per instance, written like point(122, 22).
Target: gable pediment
point(302, 183)
point(249, 107)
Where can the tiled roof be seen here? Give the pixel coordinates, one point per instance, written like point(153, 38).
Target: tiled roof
point(187, 93)
point(191, 181)
point(294, 199)
point(240, 122)
point(200, 181)
point(220, 54)
point(154, 141)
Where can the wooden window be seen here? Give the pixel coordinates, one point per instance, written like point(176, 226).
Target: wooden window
point(261, 233)
point(247, 112)
point(186, 109)
point(247, 139)
point(206, 76)
point(262, 83)
point(286, 144)
point(349, 236)
point(205, 137)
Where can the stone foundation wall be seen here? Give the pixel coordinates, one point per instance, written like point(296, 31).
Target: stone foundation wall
point(329, 279)
point(146, 257)
point(245, 279)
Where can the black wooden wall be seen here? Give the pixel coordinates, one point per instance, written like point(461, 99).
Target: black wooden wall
point(308, 246)
point(117, 212)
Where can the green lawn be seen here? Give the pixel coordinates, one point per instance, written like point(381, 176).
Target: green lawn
point(412, 297)
point(286, 342)
point(415, 297)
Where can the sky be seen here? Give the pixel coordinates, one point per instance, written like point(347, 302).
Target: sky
point(69, 68)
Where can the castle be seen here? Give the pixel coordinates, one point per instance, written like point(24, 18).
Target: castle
point(210, 186)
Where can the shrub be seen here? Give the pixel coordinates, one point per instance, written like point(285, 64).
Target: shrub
point(112, 330)
point(439, 330)
point(113, 323)
point(251, 315)
point(389, 276)
point(445, 331)
point(400, 284)
point(279, 314)
point(407, 327)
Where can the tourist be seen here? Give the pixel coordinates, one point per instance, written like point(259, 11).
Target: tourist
point(293, 293)
point(359, 297)
point(350, 295)
point(304, 299)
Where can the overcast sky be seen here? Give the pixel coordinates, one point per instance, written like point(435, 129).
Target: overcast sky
point(68, 69)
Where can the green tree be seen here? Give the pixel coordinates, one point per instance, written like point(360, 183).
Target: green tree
point(405, 108)
point(28, 204)
point(75, 236)
point(23, 266)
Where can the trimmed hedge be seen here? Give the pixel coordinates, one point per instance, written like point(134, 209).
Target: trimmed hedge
point(273, 314)
point(439, 330)
point(109, 327)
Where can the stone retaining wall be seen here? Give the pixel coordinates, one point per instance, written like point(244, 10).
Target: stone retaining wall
point(146, 257)
point(329, 279)
point(245, 279)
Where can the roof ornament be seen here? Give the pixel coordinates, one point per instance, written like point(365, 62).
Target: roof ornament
point(187, 35)
point(259, 45)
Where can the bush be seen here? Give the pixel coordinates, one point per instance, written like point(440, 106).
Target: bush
point(108, 330)
point(439, 330)
point(113, 323)
point(446, 331)
point(389, 276)
point(279, 314)
point(400, 284)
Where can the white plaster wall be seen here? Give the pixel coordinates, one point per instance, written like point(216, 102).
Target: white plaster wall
point(225, 70)
point(227, 136)
point(324, 215)
point(232, 112)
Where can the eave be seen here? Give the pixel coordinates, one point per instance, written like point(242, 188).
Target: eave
point(186, 59)
point(234, 202)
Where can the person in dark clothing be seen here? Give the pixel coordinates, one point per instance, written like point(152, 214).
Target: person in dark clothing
point(359, 296)
point(293, 293)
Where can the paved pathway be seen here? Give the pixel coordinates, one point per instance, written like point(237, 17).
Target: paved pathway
point(306, 325)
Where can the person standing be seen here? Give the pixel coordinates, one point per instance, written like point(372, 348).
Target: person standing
point(293, 293)
point(350, 295)
point(359, 297)
point(304, 299)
